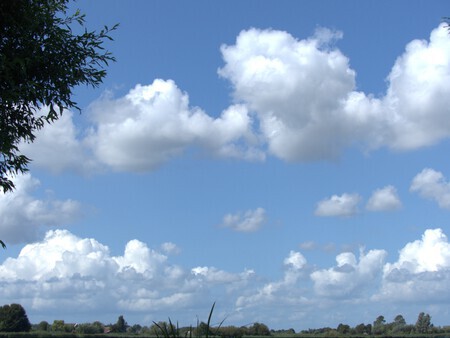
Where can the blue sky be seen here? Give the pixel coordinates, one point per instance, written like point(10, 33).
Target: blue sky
point(284, 159)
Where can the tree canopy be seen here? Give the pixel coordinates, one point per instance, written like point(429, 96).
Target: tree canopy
point(42, 59)
point(120, 326)
point(13, 318)
point(423, 323)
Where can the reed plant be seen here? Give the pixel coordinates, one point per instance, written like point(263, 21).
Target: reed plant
point(169, 330)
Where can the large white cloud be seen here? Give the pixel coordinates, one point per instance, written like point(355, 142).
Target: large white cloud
point(296, 97)
point(59, 255)
point(303, 92)
point(432, 184)
point(418, 93)
point(154, 123)
point(338, 205)
point(141, 131)
point(140, 258)
point(23, 216)
point(421, 273)
point(295, 86)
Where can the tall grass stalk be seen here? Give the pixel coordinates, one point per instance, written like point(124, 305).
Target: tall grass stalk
point(165, 330)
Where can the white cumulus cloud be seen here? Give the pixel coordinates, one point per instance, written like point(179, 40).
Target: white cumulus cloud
point(141, 131)
point(303, 92)
point(343, 205)
point(170, 248)
point(139, 257)
point(23, 216)
point(384, 199)
point(214, 275)
point(285, 290)
point(350, 278)
point(294, 98)
point(432, 184)
point(295, 260)
point(64, 276)
point(422, 271)
point(64, 273)
point(154, 123)
point(431, 253)
point(296, 88)
point(249, 221)
point(59, 147)
point(418, 95)
point(59, 255)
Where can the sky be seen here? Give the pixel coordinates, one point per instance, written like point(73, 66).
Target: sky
point(284, 159)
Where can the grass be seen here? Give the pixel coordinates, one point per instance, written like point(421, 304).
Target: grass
point(169, 330)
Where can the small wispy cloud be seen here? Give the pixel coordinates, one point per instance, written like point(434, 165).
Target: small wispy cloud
point(343, 205)
point(170, 248)
point(384, 199)
point(309, 245)
point(431, 184)
point(249, 221)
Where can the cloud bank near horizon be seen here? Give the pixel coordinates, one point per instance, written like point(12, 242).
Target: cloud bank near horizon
point(64, 275)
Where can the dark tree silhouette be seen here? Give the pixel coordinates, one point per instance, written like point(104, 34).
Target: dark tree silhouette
point(13, 318)
point(41, 60)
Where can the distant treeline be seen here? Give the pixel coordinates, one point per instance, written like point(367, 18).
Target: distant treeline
point(130, 335)
point(397, 328)
point(14, 323)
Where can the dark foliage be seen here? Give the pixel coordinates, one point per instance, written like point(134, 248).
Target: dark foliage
point(41, 60)
point(121, 325)
point(13, 318)
point(447, 22)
